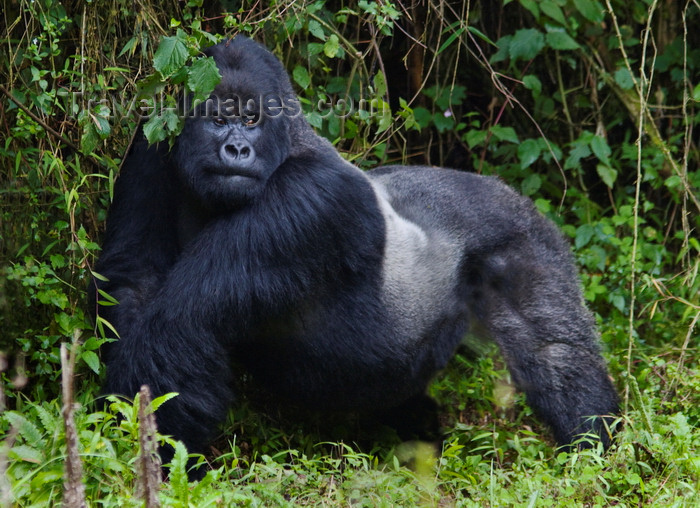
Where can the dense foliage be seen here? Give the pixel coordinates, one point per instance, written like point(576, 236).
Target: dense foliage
point(590, 107)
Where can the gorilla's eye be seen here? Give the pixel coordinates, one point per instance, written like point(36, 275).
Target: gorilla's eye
point(220, 121)
point(251, 119)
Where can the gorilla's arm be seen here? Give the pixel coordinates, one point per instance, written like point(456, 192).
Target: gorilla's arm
point(139, 251)
point(140, 243)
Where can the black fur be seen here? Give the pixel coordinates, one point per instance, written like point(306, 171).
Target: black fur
point(259, 246)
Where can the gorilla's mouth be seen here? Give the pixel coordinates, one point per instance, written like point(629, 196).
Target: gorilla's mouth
point(232, 172)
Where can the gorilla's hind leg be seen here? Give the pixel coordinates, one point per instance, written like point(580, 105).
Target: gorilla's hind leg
point(529, 300)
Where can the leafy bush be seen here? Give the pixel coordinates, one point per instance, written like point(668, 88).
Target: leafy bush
point(589, 107)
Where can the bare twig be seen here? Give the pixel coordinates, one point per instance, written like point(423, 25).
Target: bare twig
point(73, 488)
point(149, 461)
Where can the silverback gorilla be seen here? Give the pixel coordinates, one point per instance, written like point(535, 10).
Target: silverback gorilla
point(252, 248)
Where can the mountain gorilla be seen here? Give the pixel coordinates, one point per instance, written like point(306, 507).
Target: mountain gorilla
point(253, 248)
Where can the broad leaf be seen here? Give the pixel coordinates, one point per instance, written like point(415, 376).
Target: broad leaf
point(528, 152)
point(592, 10)
point(202, 77)
point(560, 40)
point(607, 174)
point(526, 44)
point(170, 56)
point(301, 76)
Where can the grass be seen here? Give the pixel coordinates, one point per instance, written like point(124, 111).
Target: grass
point(495, 453)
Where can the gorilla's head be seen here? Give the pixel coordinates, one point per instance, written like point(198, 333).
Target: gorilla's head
point(234, 141)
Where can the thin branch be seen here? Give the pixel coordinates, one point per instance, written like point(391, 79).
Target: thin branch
point(38, 120)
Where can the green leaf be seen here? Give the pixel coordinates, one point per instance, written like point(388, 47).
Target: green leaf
point(170, 56)
point(553, 10)
point(445, 98)
point(334, 125)
point(49, 420)
point(301, 76)
point(314, 119)
point(385, 120)
point(316, 30)
point(528, 152)
point(624, 78)
point(172, 120)
point(159, 401)
point(450, 40)
point(108, 299)
point(475, 137)
point(503, 46)
point(153, 129)
point(332, 46)
point(25, 428)
point(26, 454)
point(601, 149)
point(531, 5)
point(92, 344)
point(91, 360)
point(696, 93)
point(102, 322)
point(505, 133)
point(180, 76)
point(560, 40)
point(101, 123)
point(617, 300)
point(592, 10)
point(89, 139)
point(422, 116)
point(178, 473)
point(531, 184)
point(673, 182)
point(351, 128)
point(314, 48)
point(129, 46)
point(607, 174)
point(481, 36)
point(202, 77)
point(443, 121)
point(595, 257)
point(578, 152)
point(526, 44)
point(380, 151)
point(533, 83)
point(379, 84)
point(583, 235)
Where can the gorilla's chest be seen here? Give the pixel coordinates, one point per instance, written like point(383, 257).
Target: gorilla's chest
point(368, 342)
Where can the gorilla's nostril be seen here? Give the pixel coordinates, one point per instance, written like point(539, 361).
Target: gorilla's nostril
point(245, 152)
point(232, 151)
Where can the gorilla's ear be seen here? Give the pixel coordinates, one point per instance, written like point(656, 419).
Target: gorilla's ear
point(217, 49)
point(302, 137)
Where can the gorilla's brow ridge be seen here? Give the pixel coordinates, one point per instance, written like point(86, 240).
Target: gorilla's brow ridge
point(227, 105)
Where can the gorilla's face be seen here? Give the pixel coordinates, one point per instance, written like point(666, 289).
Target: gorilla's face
point(234, 142)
